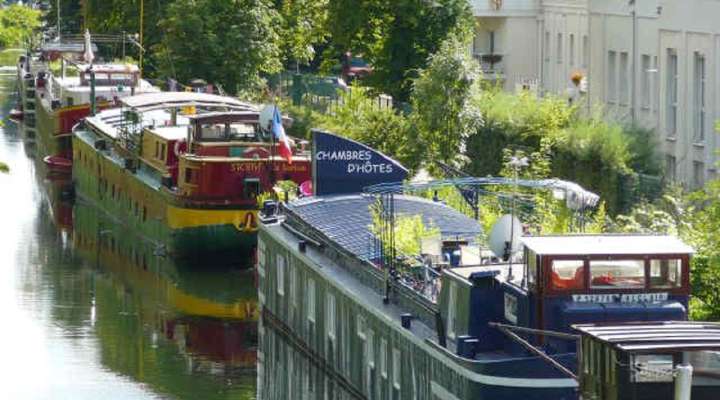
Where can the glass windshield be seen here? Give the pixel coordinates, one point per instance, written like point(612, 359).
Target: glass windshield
point(567, 274)
point(665, 273)
point(617, 274)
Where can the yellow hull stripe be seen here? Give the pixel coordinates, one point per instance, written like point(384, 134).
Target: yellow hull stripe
point(243, 220)
point(193, 305)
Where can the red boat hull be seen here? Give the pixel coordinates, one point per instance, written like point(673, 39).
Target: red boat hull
point(58, 164)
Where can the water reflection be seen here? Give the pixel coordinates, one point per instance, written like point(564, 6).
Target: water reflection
point(89, 311)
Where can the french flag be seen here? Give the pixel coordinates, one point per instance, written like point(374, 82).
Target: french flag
point(279, 132)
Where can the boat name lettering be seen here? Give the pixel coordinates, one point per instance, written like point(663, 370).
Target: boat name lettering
point(257, 167)
point(344, 155)
point(620, 298)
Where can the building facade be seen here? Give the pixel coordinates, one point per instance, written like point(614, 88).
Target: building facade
point(652, 62)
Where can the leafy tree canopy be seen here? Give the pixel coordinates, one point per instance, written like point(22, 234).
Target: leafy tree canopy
point(18, 24)
point(230, 42)
point(395, 36)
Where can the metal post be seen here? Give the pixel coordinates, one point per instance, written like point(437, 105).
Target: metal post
point(683, 381)
point(58, 19)
point(93, 104)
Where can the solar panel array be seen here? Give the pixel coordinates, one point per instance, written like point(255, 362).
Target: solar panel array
point(347, 220)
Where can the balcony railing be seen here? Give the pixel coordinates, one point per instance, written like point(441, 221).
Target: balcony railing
point(483, 8)
point(491, 65)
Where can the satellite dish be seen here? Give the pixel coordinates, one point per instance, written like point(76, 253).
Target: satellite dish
point(266, 116)
point(507, 230)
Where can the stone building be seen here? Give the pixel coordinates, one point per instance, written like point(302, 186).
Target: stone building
point(652, 62)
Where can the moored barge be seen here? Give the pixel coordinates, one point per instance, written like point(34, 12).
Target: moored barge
point(54, 101)
point(454, 335)
point(184, 169)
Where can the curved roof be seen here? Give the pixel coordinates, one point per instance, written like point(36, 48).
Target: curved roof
point(162, 100)
point(346, 219)
point(666, 336)
point(607, 244)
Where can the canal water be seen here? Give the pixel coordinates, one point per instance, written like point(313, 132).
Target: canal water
point(89, 312)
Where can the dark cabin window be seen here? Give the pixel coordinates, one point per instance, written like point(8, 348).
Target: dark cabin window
point(163, 151)
point(188, 175)
point(157, 149)
point(251, 188)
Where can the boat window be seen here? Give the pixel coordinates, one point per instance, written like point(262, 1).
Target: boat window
point(212, 131)
point(617, 274)
point(567, 274)
point(242, 132)
point(251, 188)
point(531, 258)
point(665, 273)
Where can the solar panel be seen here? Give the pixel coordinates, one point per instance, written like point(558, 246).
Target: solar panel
point(347, 219)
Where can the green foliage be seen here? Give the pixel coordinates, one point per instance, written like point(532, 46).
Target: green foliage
point(228, 42)
point(360, 118)
point(395, 36)
point(303, 27)
point(694, 217)
point(409, 232)
point(443, 115)
point(4, 168)
point(18, 24)
point(602, 156)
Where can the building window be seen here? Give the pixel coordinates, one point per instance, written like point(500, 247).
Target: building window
point(645, 83)
point(586, 51)
point(612, 77)
point(452, 302)
point(360, 322)
point(330, 315)
point(698, 174)
point(571, 49)
point(670, 168)
point(280, 267)
point(547, 46)
point(699, 100)
point(396, 368)
point(671, 95)
point(383, 358)
point(293, 284)
point(559, 51)
point(311, 300)
point(624, 81)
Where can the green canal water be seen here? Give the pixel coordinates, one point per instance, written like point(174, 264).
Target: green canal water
point(91, 312)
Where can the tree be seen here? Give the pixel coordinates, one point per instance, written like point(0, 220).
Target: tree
point(395, 36)
point(303, 28)
point(18, 24)
point(231, 42)
point(444, 114)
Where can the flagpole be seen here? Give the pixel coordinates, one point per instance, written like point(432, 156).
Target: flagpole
point(272, 154)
